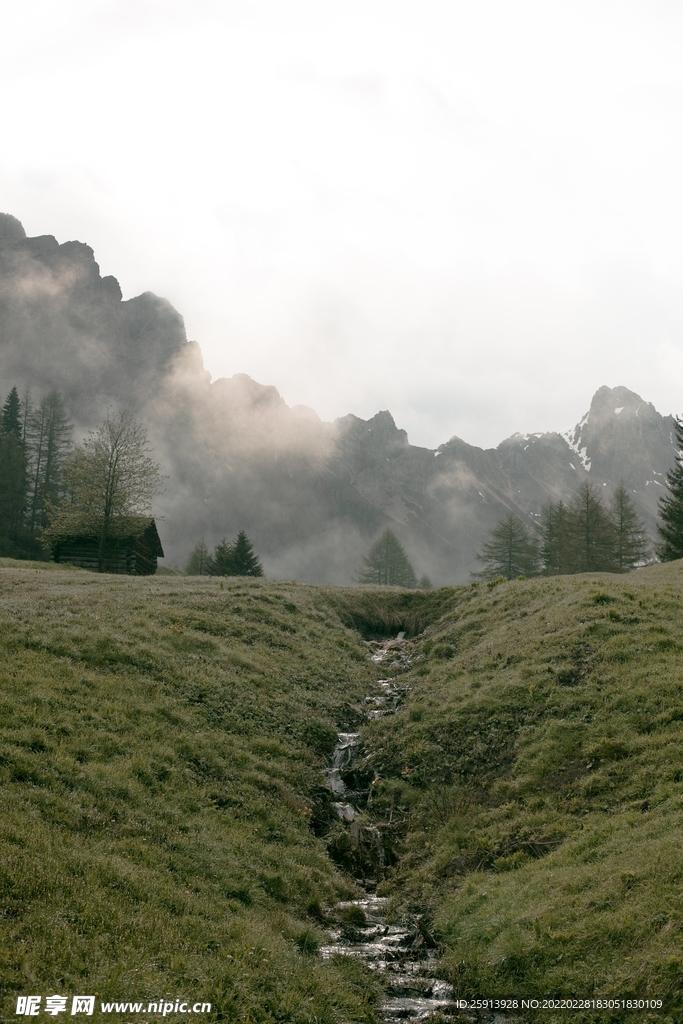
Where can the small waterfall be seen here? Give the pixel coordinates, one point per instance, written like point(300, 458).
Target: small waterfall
point(342, 756)
point(399, 953)
point(403, 954)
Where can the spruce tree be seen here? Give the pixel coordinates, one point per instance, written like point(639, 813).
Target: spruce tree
point(48, 438)
point(26, 412)
point(387, 564)
point(556, 539)
point(12, 470)
point(592, 533)
point(631, 546)
point(671, 506)
point(221, 563)
point(236, 559)
point(11, 414)
point(245, 561)
point(12, 485)
point(511, 552)
point(200, 562)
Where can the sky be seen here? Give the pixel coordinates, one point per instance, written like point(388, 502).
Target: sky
point(470, 214)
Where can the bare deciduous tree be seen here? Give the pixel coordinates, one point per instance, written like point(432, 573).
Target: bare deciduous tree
point(110, 482)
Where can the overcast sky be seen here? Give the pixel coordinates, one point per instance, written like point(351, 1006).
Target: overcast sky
point(468, 213)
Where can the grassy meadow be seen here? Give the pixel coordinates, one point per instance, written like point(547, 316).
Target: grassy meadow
point(160, 773)
point(534, 782)
point(165, 829)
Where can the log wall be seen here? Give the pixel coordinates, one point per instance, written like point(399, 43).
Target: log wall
point(132, 557)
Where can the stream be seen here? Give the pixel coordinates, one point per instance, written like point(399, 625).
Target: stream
point(412, 994)
point(404, 955)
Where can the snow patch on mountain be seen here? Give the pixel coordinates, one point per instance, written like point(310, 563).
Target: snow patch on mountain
point(573, 438)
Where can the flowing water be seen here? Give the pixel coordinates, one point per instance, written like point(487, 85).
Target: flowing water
point(404, 955)
point(394, 952)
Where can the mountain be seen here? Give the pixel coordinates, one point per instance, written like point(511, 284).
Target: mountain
point(311, 495)
point(63, 325)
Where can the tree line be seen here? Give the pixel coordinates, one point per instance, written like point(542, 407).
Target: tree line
point(584, 535)
point(235, 559)
point(35, 441)
point(50, 487)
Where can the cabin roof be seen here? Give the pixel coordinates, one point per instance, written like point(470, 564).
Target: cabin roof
point(135, 527)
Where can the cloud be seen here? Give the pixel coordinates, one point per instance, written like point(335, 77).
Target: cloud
point(361, 204)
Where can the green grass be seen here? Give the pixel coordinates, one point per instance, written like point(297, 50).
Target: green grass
point(161, 755)
point(534, 782)
point(165, 830)
point(16, 563)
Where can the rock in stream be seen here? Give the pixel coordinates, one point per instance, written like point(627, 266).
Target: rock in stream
point(394, 952)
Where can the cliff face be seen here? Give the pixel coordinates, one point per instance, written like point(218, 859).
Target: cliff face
point(311, 495)
point(63, 325)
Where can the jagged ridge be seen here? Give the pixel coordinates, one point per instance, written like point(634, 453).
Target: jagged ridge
point(311, 494)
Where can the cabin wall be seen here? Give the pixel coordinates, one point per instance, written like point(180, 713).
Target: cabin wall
point(132, 557)
point(144, 559)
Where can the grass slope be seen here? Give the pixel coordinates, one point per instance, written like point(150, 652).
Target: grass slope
point(160, 757)
point(165, 832)
point(534, 782)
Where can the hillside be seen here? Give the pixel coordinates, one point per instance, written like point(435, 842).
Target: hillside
point(311, 495)
point(162, 743)
point(166, 830)
point(534, 784)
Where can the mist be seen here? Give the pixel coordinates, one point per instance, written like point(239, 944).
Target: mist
point(467, 214)
point(312, 494)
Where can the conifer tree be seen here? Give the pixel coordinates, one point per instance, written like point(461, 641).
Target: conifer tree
point(221, 563)
point(26, 412)
point(245, 561)
point(11, 414)
point(387, 564)
point(556, 539)
point(670, 526)
point(12, 469)
point(630, 541)
point(511, 552)
point(200, 562)
point(48, 438)
point(236, 559)
point(592, 533)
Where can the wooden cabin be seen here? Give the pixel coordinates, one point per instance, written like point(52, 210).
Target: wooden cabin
point(134, 554)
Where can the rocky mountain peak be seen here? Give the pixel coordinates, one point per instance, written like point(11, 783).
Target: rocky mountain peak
point(11, 229)
point(620, 439)
point(243, 391)
point(620, 405)
point(62, 325)
point(377, 437)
